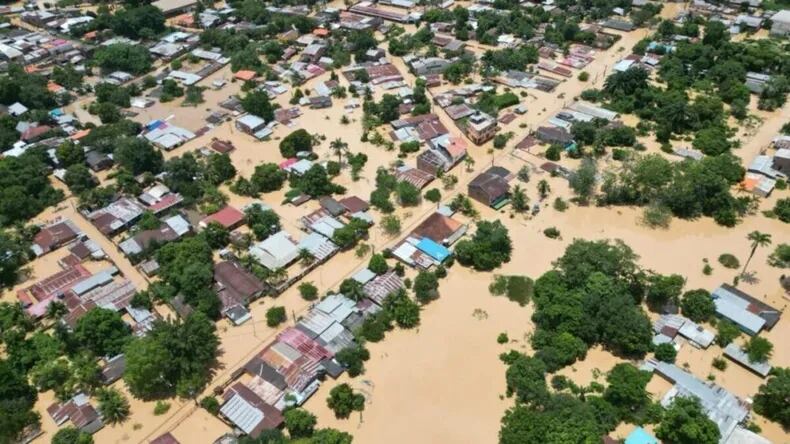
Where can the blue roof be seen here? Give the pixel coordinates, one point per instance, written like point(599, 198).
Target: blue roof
point(153, 124)
point(432, 249)
point(640, 436)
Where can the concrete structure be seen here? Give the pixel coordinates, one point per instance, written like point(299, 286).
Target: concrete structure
point(480, 128)
point(491, 187)
point(781, 23)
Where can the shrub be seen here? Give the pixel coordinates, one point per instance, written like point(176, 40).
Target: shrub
point(551, 233)
point(275, 316)
point(211, 404)
point(161, 408)
point(729, 261)
point(657, 216)
point(308, 291)
point(553, 152)
point(719, 363)
point(560, 205)
point(666, 353)
point(584, 76)
point(502, 338)
point(433, 195)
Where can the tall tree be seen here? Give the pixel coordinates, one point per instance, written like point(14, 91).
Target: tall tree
point(758, 239)
point(338, 146)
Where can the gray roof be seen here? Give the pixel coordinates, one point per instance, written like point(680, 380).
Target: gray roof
point(721, 406)
point(736, 353)
point(101, 278)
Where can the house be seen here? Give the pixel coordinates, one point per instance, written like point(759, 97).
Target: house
point(166, 438)
point(228, 217)
point(722, 407)
point(113, 369)
point(158, 198)
point(116, 216)
point(441, 229)
point(382, 286)
point(781, 23)
point(174, 7)
point(480, 128)
point(222, 146)
point(418, 178)
point(320, 102)
point(782, 160)
point(737, 354)
point(250, 124)
point(237, 284)
point(79, 411)
point(54, 236)
point(248, 412)
point(491, 187)
point(553, 134)
point(459, 111)
point(275, 252)
point(354, 204)
point(98, 161)
point(748, 313)
point(429, 65)
point(141, 241)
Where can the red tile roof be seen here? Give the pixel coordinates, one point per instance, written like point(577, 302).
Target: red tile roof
point(228, 217)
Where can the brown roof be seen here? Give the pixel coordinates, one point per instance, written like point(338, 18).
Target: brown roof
point(238, 282)
point(35, 132)
point(492, 185)
point(228, 217)
point(167, 438)
point(55, 235)
point(437, 227)
point(354, 204)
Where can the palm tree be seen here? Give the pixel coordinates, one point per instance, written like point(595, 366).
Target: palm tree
point(469, 162)
point(338, 146)
point(113, 405)
point(519, 199)
point(758, 239)
point(543, 188)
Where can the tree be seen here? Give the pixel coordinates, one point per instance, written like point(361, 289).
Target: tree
point(662, 290)
point(758, 239)
point(426, 287)
point(262, 222)
point(102, 331)
point(408, 194)
point(275, 316)
point(404, 311)
point(343, 401)
point(316, 182)
point(782, 209)
point(339, 147)
point(727, 332)
point(69, 153)
point(298, 141)
point(176, 357)
point(582, 181)
point(71, 435)
point(759, 349)
point(113, 405)
point(391, 224)
point(16, 253)
point(697, 305)
point(17, 399)
point(543, 188)
point(308, 291)
point(138, 156)
point(780, 258)
point(25, 189)
point(685, 422)
point(626, 389)
point(519, 199)
point(378, 264)
point(256, 102)
point(525, 377)
point(433, 195)
point(353, 359)
point(134, 59)
point(218, 169)
point(566, 419)
point(268, 177)
point(300, 423)
point(712, 140)
point(79, 179)
point(666, 352)
point(216, 235)
point(771, 398)
point(331, 436)
point(488, 249)
point(347, 236)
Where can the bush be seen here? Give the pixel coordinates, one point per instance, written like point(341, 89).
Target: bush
point(551, 233)
point(584, 76)
point(275, 316)
point(161, 408)
point(553, 152)
point(782, 209)
point(297, 141)
point(560, 205)
point(308, 291)
point(729, 261)
point(697, 305)
point(666, 353)
point(211, 404)
point(657, 216)
point(343, 401)
point(719, 363)
point(502, 338)
point(727, 332)
point(433, 195)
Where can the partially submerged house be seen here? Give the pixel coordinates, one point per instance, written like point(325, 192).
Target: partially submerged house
point(79, 411)
point(737, 354)
point(491, 187)
point(248, 412)
point(236, 288)
point(54, 236)
point(748, 313)
point(276, 251)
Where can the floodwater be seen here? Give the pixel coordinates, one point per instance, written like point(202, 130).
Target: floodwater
point(422, 384)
